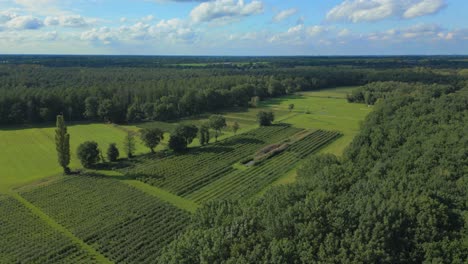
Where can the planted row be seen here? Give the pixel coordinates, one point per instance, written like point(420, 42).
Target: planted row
point(245, 183)
point(25, 238)
point(123, 223)
point(186, 173)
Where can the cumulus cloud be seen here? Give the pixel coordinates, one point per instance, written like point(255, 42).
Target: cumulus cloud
point(284, 14)
point(103, 34)
point(373, 10)
point(225, 10)
point(164, 31)
point(298, 34)
point(24, 22)
point(75, 21)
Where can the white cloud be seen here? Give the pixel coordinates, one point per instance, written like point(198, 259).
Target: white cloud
point(373, 10)
point(424, 8)
point(298, 34)
point(24, 22)
point(284, 14)
point(225, 10)
point(67, 21)
point(164, 31)
point(103, 34)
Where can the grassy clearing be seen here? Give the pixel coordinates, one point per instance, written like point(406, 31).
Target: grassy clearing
point(325, 110)
point(29, 154)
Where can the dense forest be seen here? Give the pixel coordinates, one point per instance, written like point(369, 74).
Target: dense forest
point(398, 195)
point(34, 90)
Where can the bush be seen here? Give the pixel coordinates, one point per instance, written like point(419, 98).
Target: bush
point(265, 118)
point(112, 152)
point(88, 153)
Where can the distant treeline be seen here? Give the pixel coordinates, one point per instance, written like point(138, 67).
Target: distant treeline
point(236, 62)
point(398, 195)
point(35, 94)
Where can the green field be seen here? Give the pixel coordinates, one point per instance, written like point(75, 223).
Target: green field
point(47, 245)
point(113, 216)
point(117, 220)
point(29, 154)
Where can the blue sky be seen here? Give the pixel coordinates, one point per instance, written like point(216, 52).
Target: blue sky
point(234, 27)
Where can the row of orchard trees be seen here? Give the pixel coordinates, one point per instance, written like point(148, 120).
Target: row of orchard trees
point(89, 153)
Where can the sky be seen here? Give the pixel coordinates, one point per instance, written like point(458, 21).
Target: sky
point(234, 27)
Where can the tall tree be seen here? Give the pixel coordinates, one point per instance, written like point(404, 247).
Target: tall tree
point(217, 122)
point(177, 143)
point(151, 137)
point(62, 144)
point(129, 144)
point(112, 152)
point(235, 127)
point(204, 134)
point(187, 132)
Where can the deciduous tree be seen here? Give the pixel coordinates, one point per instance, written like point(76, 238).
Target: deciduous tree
point(62, 144)
point(151, 137)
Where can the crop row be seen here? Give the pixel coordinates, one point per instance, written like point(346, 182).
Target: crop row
point(121, 222)
point(186, 173)
point(244, 183)
point(25, 238)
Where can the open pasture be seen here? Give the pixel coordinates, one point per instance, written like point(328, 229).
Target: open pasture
point(117, 220)
point(28, 154)
point(324, 109)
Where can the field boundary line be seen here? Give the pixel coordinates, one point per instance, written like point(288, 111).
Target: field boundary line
point(52, 223)
point(175, 200)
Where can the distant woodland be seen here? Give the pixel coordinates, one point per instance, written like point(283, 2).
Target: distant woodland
point(37, 89)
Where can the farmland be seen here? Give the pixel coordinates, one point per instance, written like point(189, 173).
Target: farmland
point(206, 164)
point(112, 216)
point(25, 236)
point(117, 220)
point(240, 184)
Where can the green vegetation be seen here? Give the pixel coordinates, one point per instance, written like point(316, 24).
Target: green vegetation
point(25, 238)
point(186, 173)
point(62, 144)
point(88, 153)
point(398, 195)
point(390, 186)
point(241, 184)
point(112, 152)
point(151, 137)
point(122, 223)
point(29, 154)
point(265, 118)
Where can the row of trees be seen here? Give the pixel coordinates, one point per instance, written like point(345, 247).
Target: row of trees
point(89, 153)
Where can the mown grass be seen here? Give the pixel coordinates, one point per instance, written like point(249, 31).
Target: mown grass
point(29, 154)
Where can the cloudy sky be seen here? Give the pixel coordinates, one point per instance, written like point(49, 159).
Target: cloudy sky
point(234, 27)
